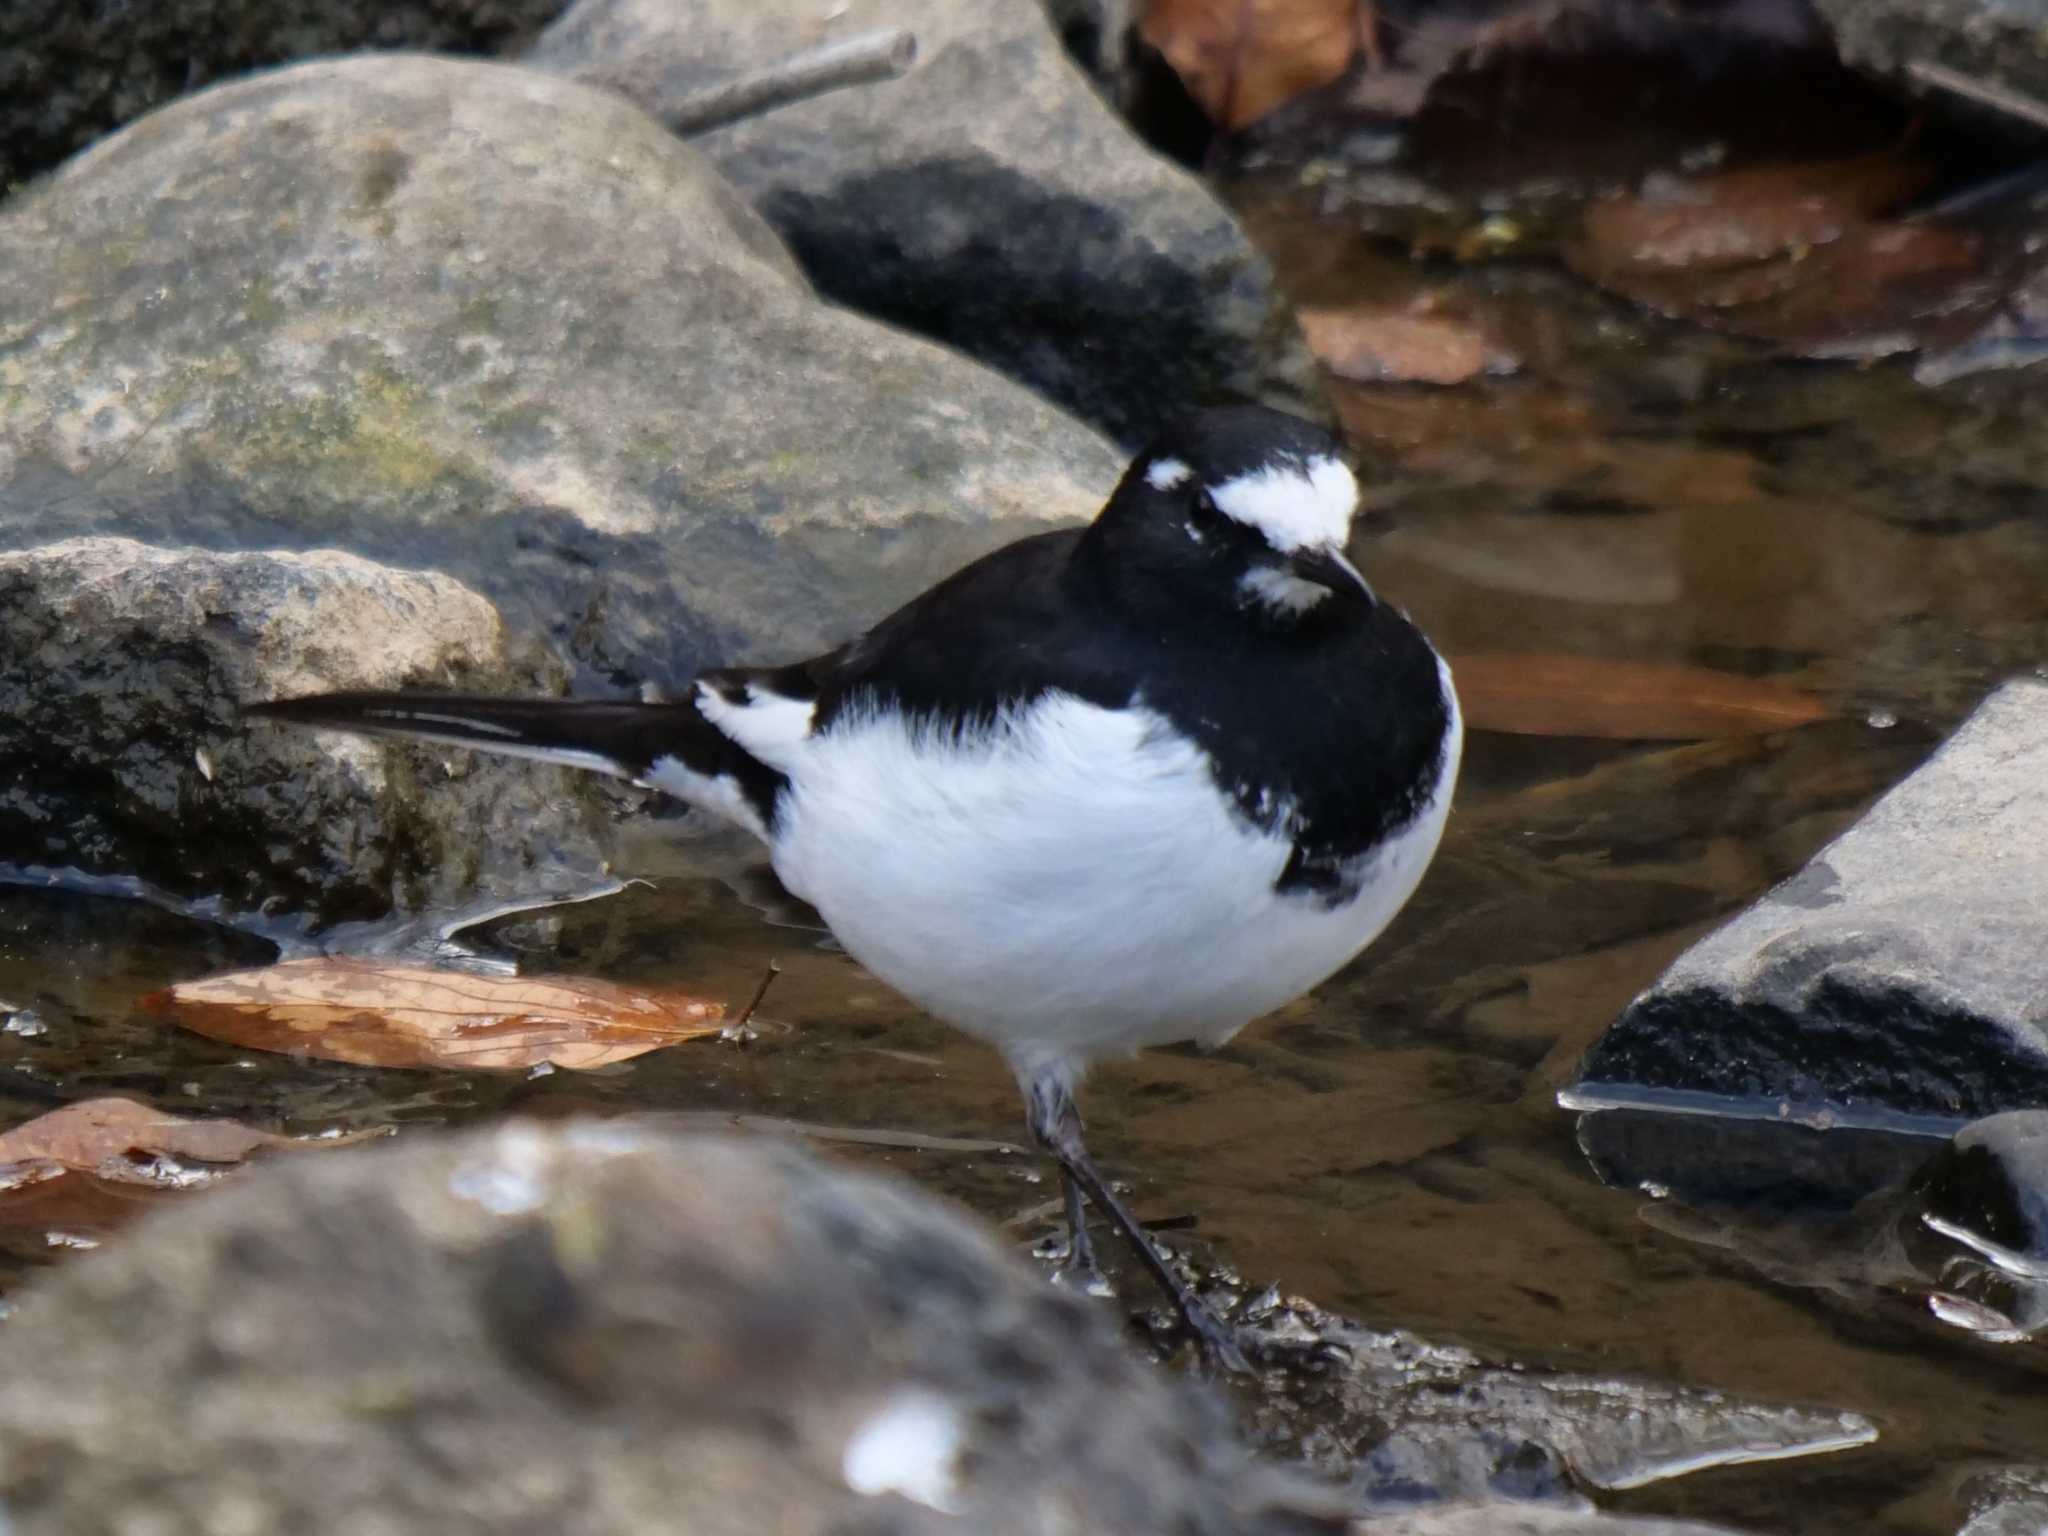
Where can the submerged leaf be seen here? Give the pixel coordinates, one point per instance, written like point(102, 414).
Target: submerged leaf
point(380, 1014)
point(1594, 696)
point(1242, 58)
point(1400, 345)
point(1795, 254)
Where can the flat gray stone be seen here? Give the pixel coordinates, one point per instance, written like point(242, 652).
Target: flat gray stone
point(1900, 978)
point(588, 1327)
point(990, 199)
point(479, 319)
point(121, 751)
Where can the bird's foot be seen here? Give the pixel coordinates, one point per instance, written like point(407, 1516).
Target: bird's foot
point(1217, 1340)
point(1080, 1270)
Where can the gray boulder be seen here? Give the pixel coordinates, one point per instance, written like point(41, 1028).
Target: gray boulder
point(1901, 976)
point(595, 1327)
point(482, 320)
point(991, 199)
point(120, 750)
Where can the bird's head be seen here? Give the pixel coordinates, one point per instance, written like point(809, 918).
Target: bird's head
point(1244, 510)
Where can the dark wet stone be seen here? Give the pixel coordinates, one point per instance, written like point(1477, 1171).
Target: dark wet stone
point(1994, 43)
point(1916, 991)
point(1752, 1162)
point(1432, 1465)
point(70, 72)
point(273, 316)
point(121, 749)
point(2012, 1501)
point(592, 1327)
point(1505, 1519)
point(1989, 1189)
point(989, 199)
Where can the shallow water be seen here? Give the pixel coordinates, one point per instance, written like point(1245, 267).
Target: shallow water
point(1392, 1147)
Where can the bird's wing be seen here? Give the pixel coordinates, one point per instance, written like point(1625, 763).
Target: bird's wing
point(731, 743)
point(1000, 632)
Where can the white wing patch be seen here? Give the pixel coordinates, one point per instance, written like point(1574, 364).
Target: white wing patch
point(718, 793)
point(768, 725)
point(1294, 507)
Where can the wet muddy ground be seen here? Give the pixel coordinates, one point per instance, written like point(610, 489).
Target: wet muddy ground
point(1390, 1147)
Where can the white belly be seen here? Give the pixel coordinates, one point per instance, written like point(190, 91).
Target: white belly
point(1071, 884)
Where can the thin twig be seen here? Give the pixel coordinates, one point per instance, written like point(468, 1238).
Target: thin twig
point(858, 60)
point(1999, 98)
point(737, 1029)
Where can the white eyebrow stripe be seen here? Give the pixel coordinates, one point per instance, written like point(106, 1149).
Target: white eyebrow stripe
point(1166, 474)
point(1294, 506)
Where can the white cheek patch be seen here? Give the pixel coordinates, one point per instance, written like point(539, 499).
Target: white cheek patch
point(1166, 474)
point(1280, 591)
point(1293, 506)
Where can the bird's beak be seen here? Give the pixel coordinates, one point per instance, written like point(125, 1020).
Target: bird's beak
point(1326, 566)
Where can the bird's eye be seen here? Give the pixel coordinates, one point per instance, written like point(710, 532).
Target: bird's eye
point(1205, 509)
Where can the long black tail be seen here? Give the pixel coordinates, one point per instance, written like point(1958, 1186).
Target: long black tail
point(670, 747)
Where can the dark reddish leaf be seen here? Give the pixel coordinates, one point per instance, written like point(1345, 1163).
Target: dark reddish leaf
point(1242, 58)
point(105, 1136)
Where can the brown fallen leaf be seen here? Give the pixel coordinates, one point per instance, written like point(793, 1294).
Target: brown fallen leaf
point(381, 1014)
point(1400, 345)
point(1242, 58)
point(107, 1136)
point(1595, 696)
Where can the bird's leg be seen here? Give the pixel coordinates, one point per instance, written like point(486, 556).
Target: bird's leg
point(1056, 1124)
point(1080, 1270)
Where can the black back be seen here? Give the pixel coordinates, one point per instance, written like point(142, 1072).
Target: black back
point(1339, 718)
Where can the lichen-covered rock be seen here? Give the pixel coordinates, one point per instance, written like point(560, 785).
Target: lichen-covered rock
point(596, 1328)
point(121, 751)
point(1902, 973)
point(990, 199)
point(478, 319)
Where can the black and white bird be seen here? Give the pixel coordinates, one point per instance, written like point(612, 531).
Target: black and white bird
point(1105, 788)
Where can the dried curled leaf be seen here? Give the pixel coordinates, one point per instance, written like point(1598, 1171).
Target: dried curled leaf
point(379, 1014)
point(1242, 58)
point(1595, 696)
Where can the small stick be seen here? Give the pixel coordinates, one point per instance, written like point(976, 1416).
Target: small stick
point(737, 1029)
point(883, 55)
point(1999, 98)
